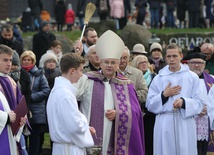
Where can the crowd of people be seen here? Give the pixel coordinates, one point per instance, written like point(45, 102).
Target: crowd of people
point(148, 13)
point(102, 94)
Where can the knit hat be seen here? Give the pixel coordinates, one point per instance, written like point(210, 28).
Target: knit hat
point(139, 48)
point(15, 59)
point(44, 23)
point(109, 45)
point(45, 57)
point(155, 46)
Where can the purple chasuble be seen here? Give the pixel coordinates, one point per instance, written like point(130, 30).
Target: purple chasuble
point(209, 81)
point(127, 135)
point(4, 139)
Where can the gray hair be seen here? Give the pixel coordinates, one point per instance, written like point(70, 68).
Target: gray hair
point(137, 59)
point(127, 50)
point(92, 47)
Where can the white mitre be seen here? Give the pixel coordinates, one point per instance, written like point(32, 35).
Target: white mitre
point(109, 45)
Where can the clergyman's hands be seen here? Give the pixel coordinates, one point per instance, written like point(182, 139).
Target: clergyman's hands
point(12, 116)
point(110, 114)
point(92, 130)
point(178, 103)
point(204, 111)
point(171, 91)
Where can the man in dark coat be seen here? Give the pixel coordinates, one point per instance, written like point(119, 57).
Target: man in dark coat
point(42, 40)
point(7, 38)
point(60, 10)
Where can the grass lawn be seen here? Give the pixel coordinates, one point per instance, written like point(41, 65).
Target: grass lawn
point(46, 143)
point(74, 35)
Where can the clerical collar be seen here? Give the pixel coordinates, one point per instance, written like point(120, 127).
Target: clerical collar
point(201, 76)
point(3, 75)
point(107, 79)
point(92, 67)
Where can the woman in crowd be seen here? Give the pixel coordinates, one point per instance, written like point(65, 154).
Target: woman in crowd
point(156, 58)
point(56, 49)
point(48, 62)
point(40, 91)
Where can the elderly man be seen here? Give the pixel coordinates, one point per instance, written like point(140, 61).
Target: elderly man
point(138, 49)
point(175, 96)
point(207, 49)
point(93, 60)
point(196, 63)
point(134, 74)
point(109, 101)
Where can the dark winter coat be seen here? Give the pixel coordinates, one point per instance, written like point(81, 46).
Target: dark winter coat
point(41, 43)
point(209, 10)
point(60, 10)
point(162, 63)
point(26, 20)
point(13, 43)
point(80, 8)
point(50, 75)
point(25, 84)
point(170, 4)
point(154, 4)
point(40, 92)
point(35, 6)
point(181, 9)
point(193, 5)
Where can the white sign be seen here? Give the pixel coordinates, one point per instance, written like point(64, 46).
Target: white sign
point(186, 41)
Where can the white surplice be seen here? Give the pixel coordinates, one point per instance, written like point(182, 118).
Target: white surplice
point(175, 130)
point(68, 127)
point(85, 88)
point(3, 121)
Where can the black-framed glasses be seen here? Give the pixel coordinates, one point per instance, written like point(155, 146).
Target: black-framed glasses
point(196, 62)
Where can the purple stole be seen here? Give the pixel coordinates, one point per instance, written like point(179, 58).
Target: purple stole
point(127, 129)
point(209, 81)
point(4, 139)
point(13, 97)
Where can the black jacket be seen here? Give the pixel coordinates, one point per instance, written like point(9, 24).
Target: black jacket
point(60, 10)
point(13, 43)
point(35, 6)
point(80, 8)
point(41, 43)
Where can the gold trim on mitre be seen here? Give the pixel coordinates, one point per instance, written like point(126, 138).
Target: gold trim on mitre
point(109, 45)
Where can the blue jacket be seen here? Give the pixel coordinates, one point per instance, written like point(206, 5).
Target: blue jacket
point(40, 88)
point(40, 92)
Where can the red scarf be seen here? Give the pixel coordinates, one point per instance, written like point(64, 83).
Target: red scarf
point(27, 68)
